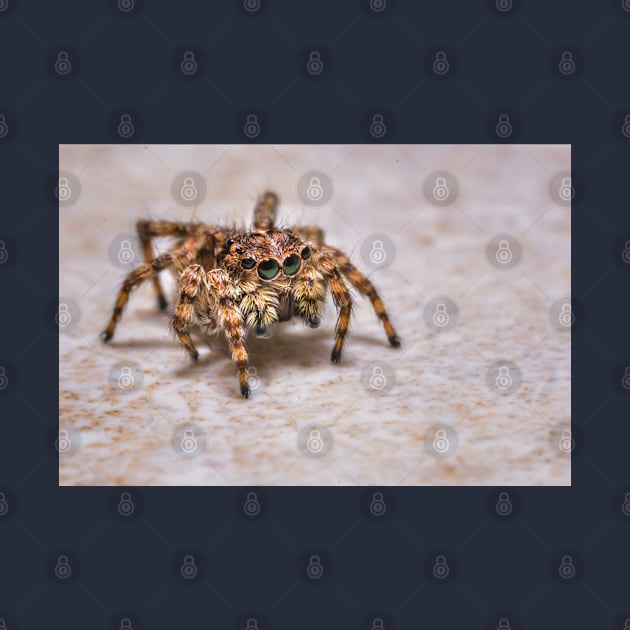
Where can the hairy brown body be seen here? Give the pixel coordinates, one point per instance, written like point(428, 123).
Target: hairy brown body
point(231, 280)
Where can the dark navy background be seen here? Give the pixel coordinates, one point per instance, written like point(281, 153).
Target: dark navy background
point(504, 58)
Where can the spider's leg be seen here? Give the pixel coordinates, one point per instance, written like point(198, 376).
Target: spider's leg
point(192, 285)
point(343, 302)
point(148, 230)
point(265, 211)
point(147, 271)
point(230, 319)
point(365, 287)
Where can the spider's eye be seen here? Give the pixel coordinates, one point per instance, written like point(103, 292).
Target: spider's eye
point(268, 269)
point(228, 243)
point(291, 264)
point(248, 263)
point(306, 253)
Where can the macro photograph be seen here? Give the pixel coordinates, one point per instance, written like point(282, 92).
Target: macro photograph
point(260, 315)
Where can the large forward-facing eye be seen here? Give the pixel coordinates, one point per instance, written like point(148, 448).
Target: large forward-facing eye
point(248, 263)
point(291, 264)
point(268, 269)
point(306, 253)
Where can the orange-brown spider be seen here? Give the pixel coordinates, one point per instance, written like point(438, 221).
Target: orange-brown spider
point(230, 279)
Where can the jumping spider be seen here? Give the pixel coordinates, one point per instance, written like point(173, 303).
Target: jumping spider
point(230, 279)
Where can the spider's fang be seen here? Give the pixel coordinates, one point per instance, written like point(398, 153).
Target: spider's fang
point(162, 303)
point(261, 331)
point(313, 322)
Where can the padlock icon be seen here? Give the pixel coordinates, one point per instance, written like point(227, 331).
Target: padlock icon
point(315, 190)
point(504, 5)
point(566, 568)
point(626, 624)
point(63, 192)
point(504, 505)
point(63, 444)
point(625, 506)
point(4, 379)
point(189, 568)
point(4, 128)
point(125, 504)
point(504, 624)
point(625, 4)
point(566, 442)
point(252, 378)
point(377, 380)
point(314, 569)
point(504, 254)
point(625, 255)
point(126, 5)
point(63, 317)
point(440, 317)
point(189, 63)
point(4, 254)
point(63, 66)
point(377, 127)
point(504, 126)
point(189, 441)
point(4, 506)
point(63, 570)
point(314, 65)
point(626, 378)
point(125, 378)
point(566, 317)
point(441, 568)
point(440, 63)
point(377, 624)
point(567, 63)
point(125, 253)
point(251, 507)
point(566, 190)
point(441, 443)
point(251, 5)
point(314, 444)
point(378, 255)
point(625, 128)
point(378, 5)
point(125, 624)
point(126, 128)
point(441, 191)
point(377, 504)
point(252, 126)
point(3, 623)
point(504, 379)
point(251, 624)
point(189, 189)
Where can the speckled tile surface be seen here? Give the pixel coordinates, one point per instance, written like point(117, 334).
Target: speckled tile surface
point(369, 436)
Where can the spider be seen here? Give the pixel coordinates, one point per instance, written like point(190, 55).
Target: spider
point(233, 280)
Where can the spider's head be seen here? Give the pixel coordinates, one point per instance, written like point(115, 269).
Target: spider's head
point(269, 256)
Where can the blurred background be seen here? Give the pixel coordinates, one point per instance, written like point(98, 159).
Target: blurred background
point(469, 248)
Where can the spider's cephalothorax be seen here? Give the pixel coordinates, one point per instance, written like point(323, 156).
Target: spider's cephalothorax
point(232, 280)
